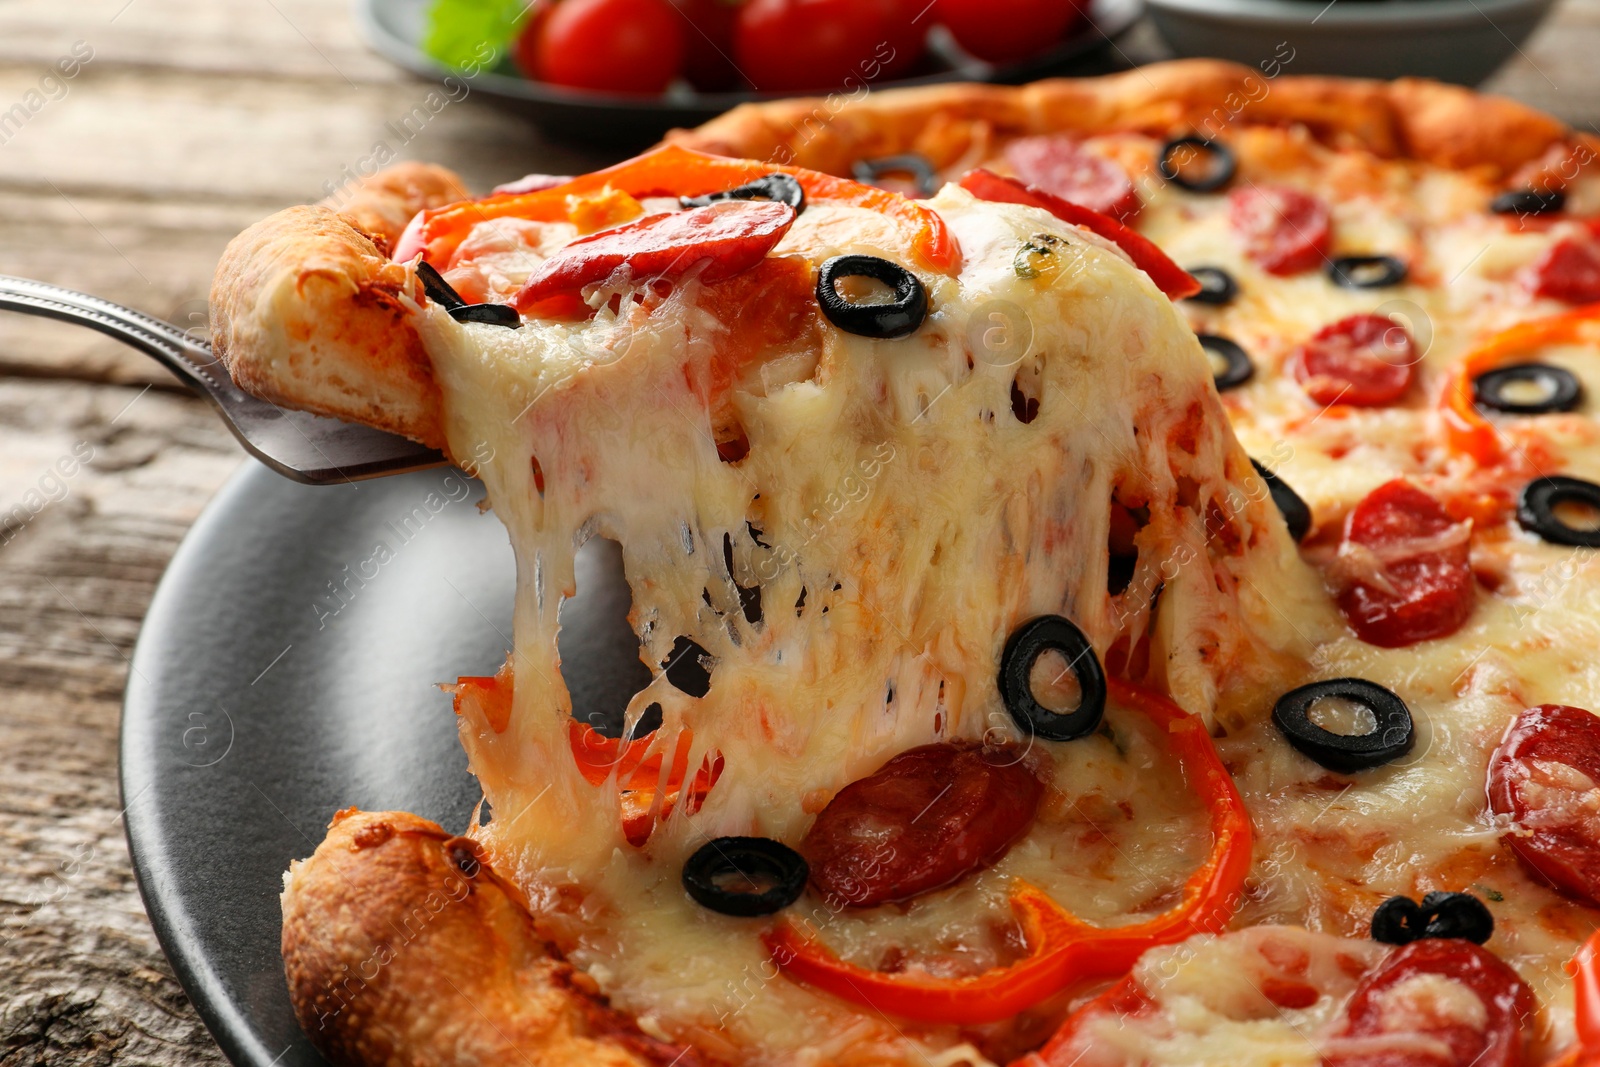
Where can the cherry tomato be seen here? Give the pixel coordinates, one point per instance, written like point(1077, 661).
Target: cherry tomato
point(708, 43)
point(1364, 360)
point(1397, 1000)
point(789, 45)
point(925, 819)
point(1282, 230)
point(619, 46)
point(1062, 167)
point(1000, 31)
point(1569, 271)
point(1422, 585)
point(721, 240)
point(1546, 776)
point(525, 49)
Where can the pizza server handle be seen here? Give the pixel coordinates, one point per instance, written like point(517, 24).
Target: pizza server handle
point(312, 449)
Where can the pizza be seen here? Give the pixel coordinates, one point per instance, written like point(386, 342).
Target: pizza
point(1137, 536)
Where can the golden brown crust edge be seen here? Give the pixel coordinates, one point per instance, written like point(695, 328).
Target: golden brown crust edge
point(1412, 118)
point(308, 311)
point(403, 947)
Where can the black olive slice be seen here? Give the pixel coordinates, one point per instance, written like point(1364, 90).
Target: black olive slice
point(1389, 739)
point(1536, 509)
point(1398, 921)
point(1236, 365)
point(1296, 512)
point(1528, 202)
point(751, 860)
point(1217, 286)
point(1561, 388)
point(493, 314)
point(1221, 172)
point(1027, 644)
point(1456, 915)
point(438, 290)
point(444, 294)
point(1401, 920)
point(897, 318)
point(868, 171)
point(1367, 272)
point(777, 186)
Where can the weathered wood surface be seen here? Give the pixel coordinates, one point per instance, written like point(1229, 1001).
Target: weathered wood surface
point(193, 119)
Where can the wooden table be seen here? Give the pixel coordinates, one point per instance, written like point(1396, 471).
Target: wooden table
point(193, 119)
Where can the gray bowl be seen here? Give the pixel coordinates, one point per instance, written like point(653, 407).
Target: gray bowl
point(1461, 41)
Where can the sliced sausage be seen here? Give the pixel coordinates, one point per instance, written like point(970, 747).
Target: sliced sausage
point(1404, 568)
point(1441, 1002)
point(720, 240)
point(925, 819)
point(1363, 360)
point(1545, 777)
point(1282, 230)
point(1568, 271)
point(1062, 167)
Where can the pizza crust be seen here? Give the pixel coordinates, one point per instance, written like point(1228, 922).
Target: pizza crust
point(308, 311)
point(1444, 125)
point(402, 946)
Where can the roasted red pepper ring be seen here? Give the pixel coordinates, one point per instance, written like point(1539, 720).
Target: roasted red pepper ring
point(1063, 951)
point(1170, 278)
point(1465, 427)
point(1586, 994)
point(639, 776)
point(673, 171)
point(1585, 971)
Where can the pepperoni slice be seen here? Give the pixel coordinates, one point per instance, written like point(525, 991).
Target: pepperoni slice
point(1568, 271)
point(1441, 1002)
point(1062, 167)
point(1362, 360)
point(1283, 230)
point(1404, 568)
point(1170, 278)
point(1185, 995)
point(925, 819)
point(1546, 776)
point(722, 239)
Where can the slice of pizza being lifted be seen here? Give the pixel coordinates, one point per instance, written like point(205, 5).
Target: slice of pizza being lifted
point(942, 493)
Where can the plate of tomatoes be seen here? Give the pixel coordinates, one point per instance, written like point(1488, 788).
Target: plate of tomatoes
point(622, 72)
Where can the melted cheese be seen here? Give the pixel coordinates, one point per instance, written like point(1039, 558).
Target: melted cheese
point(1266, 995)
point(892, 487)
point(1332, 847)
point(921, 520)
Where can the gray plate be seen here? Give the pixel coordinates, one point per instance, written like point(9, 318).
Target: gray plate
point(254, 711)
point(394, 29)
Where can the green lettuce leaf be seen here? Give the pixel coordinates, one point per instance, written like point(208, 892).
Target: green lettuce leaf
point(472, 35)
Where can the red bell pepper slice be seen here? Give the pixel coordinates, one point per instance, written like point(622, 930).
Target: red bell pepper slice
point(1062, 950)
point(672, 171)
point(639, 776)
point(1170, 278)
point(1586, 993)
point(1585, 971)
point(721, 240)
point(1465, 427)
point(598, 756)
